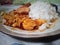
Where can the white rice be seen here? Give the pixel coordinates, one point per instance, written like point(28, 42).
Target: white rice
point(42, 10)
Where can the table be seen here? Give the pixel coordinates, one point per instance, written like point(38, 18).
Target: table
point(11, 40)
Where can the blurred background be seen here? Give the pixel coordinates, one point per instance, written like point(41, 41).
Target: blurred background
point(17, 2)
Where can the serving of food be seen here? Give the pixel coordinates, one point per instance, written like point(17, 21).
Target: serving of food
point(38, 16)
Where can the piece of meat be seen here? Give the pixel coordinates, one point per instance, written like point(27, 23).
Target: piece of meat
point(17, 22)
point(28, 24)
point(12, 12)
point(9, 19)
point(23, 10)
point(39, 22)
point(8, 16)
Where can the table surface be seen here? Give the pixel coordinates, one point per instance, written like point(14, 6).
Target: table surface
point(10, 40)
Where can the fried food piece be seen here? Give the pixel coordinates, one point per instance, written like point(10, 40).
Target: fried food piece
point(9, 19)
point(17, 22)
point(40, 21)
point(24, 10)
point(12, 12)
point(8, 16)
point(5, 16)
point(29, 24)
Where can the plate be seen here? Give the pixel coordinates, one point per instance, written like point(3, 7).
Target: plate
point(28, 34)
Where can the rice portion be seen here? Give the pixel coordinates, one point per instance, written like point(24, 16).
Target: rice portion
point(42, 10)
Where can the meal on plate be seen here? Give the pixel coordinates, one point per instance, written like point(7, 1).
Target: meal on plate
point(36, 16)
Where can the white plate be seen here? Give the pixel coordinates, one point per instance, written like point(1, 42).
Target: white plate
point(29, 34)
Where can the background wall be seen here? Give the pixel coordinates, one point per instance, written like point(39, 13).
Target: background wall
point(25, 1)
